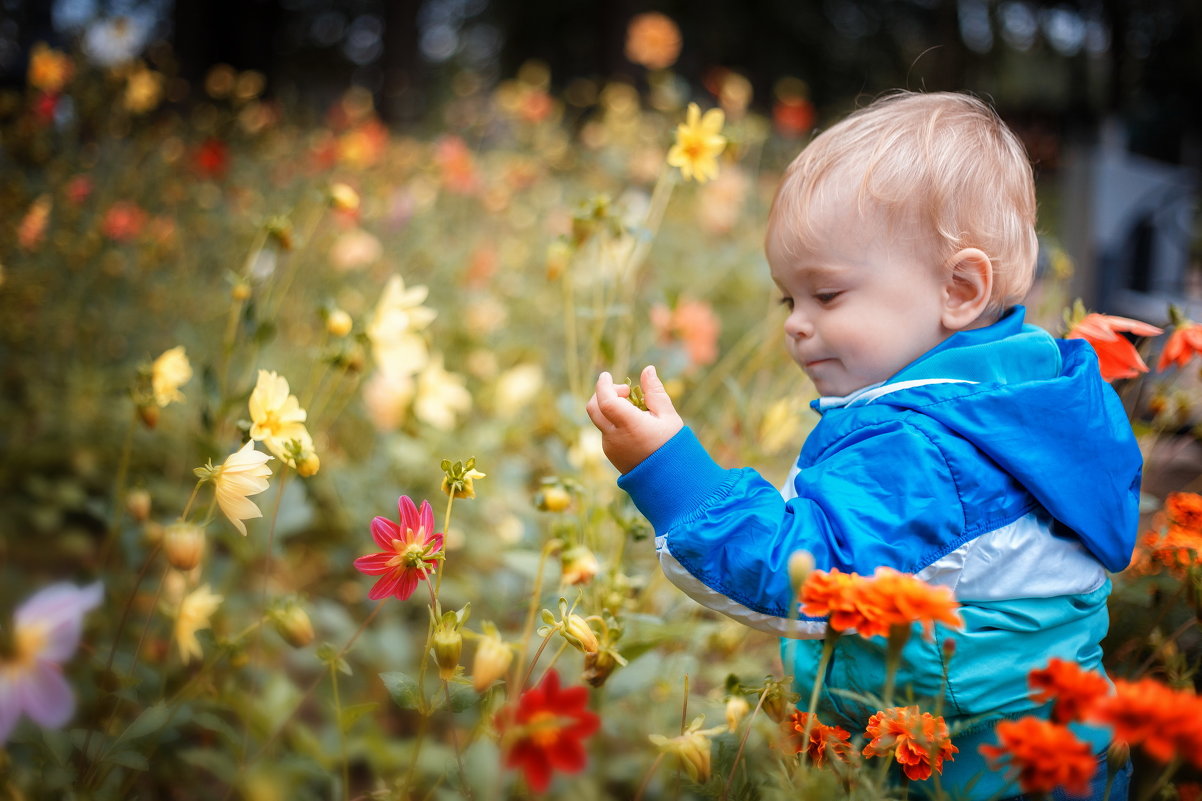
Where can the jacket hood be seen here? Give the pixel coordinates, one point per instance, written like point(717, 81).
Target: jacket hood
point(1038, 407)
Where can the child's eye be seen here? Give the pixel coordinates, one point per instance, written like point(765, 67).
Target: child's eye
point(787, 302)
point(826, 297)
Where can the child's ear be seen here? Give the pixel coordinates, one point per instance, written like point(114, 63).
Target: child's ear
point(968, 287)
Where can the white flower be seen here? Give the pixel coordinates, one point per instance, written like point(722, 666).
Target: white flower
point(116, 40)
point(244, 473)
point(396, 345)
point(441, 396)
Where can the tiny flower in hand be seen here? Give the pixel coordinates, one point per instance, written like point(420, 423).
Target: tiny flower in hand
point(410, 551)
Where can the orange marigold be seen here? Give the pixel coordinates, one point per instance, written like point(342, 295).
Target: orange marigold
point(917, 740)
point(825, 741)
point(1185, 509)
point(893, 599)
point(1074, 690)
point(832, 594)
point(1166, 722)
point(1117, 357)
point(1183, 344)
point(1047, 755)
point(1176, 548)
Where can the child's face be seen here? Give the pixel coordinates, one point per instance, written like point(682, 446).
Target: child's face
point(863, 303)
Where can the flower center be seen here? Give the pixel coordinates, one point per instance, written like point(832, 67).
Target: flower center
point(19, 647)
point(544, 728)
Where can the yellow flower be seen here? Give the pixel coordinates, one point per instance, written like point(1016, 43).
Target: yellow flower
point(168, 373)
point(194, 614)
point(699, 140)
point(244, 473)
point(343, 197)
point(440, 397)
point(493, 658)
point(276, 416)
point(143, 90)
point(49, 69)
point(396, 345)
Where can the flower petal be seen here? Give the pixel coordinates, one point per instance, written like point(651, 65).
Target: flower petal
point(10, 704)
point(47, 697)
point(374, 564)
point(384, 531)
point(408, 514)
point(385, 586)
point(59, 610)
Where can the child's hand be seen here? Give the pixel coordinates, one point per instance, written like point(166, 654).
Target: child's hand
point(628, 434)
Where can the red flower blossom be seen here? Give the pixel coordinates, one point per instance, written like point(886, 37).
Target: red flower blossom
point(409, 553)
point(1074, 690)
point(824, 741)
point(547, 730)
point(1164, 721)
point(212, 158)
point(1047, 756)
point(918, 741)
point(1183, 344)
point(1117, 357)
point(123, 221)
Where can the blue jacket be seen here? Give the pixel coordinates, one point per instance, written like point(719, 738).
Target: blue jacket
point(998, 464)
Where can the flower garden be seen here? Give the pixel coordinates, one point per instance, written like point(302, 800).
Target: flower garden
point(301, 496)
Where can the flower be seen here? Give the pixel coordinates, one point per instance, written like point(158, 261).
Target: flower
point(653, 40)
point(110, 42)
point(492, 659)
point(458, 167)
point(918, 741)
point(170, 371)
point(194, 614)
point(1074, 690)
point(546, 731)
point(276, 416)
point(123, 221)
point(691, 747)
point(343, 198)
point(824, 741)
point(832, 594)
point(1047, 755)
point(1164, 721)
point(891, 599)
point(410, 551)
point(578, 565)
point(1185, 509)
point(1183, 344)
point(698, 142)
point(212, 158)
point(143, 90)
point(398, 349)
point(32, 228)
point(45, 632)
point(243, 473)
point(441, 396)
point(694, 323)
point(1117, 357)
point(386, 399)
point(354, 249)
point(292, 622)
point(49, 69)
point(184, 544)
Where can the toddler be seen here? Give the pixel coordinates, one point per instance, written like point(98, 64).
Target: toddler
point(955, 443)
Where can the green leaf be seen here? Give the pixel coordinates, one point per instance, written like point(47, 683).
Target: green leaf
point(130, 759)
point(351, 714)
point(462, 697)
point(151, 720)
point(402, 688)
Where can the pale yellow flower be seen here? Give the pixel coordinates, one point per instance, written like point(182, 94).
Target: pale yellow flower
point(393, 331)
point(143, 90)
point(699, 141)
point(354, 249)
point(276, 416)
point(517, 387)
point(244, 473)
point(441, 397)
point(195, 613)
point(168, 373)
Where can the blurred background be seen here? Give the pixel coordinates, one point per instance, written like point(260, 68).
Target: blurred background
point(1104, 92)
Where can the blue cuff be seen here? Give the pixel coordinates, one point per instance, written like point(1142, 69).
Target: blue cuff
point(674, 481)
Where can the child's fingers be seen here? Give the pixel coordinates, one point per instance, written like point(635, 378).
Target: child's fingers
point(593, 407)
point(611, 401)
point(654, 395)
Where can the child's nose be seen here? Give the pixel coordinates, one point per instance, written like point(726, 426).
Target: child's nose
point(797, 325)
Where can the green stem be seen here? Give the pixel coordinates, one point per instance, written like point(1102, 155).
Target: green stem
point(730, 778)
point(531, 614)
point(647, 777)
point(467, 790)
point(110, 535)
point(346, 773)
point(1163, 779)
point(446, 526)
point(541, 646)
point(828, 649)
point(183, 517)
point(898, 635)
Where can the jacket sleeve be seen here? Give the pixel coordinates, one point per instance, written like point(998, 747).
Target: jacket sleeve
point(883, 495)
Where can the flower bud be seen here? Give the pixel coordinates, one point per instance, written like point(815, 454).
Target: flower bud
point(598, 665)
point(339, 323)
point(240, 291)
point(148, 413)
point(579, 565)
point(343, 197)
point(580, 634)
point(1118, 754)
point(293, 624)
point(553, 498)
point(184, 545)
point(307, 464)
point(138, 504)
point(801, 565)
point(448, 644)
point(777, 701)
point(152, 532)
point(693, 750)
point(559, 254)
point(737, 708)
point(492, 659)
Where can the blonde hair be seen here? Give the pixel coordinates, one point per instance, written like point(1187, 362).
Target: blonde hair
point(944, 161)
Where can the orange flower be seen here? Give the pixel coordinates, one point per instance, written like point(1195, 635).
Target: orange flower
point(1185, 509)
point(694, 324)
point(1074, 690)
point(1164, 721)
point(832, 595)
point(457, 165)
point(892, 599)
point(824, 741)
point(1117, 357)
point(653, 40)
point(1183, 344)
point(1177, 549)
point(1046, 754)
point(918, 741)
